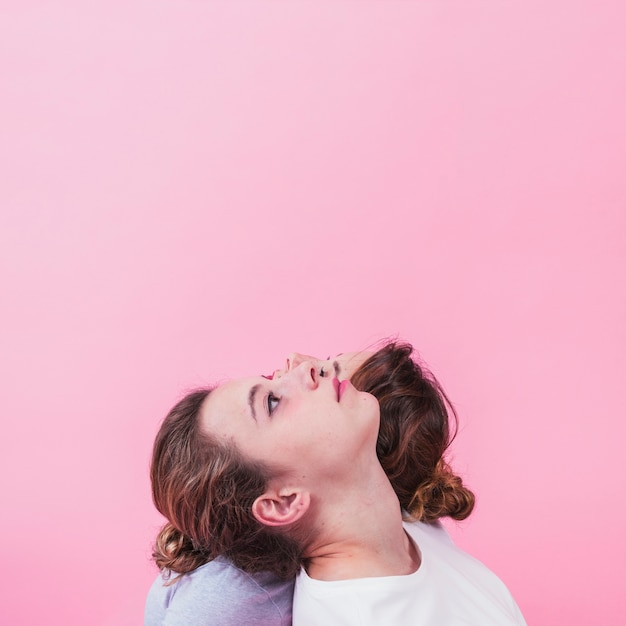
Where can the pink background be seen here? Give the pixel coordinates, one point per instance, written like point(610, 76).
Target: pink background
point(192, 189)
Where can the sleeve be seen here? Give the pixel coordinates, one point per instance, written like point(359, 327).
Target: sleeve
point(219, 594)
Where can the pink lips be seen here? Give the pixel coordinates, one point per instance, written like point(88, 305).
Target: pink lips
point(342, 387)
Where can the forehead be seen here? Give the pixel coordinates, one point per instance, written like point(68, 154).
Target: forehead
point(346, 358)
point(226, 407)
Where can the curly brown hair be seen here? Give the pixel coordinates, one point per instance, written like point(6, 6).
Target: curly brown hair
point(206, 488)
point(414, 434)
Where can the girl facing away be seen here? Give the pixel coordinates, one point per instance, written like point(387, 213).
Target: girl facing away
point(331, 473)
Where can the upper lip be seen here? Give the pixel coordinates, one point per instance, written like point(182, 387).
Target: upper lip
point(336, 386)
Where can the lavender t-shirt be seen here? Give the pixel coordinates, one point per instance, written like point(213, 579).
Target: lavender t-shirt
point(220, 594)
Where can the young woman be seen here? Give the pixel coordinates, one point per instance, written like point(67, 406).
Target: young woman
point(199, 589)
point(272, 473)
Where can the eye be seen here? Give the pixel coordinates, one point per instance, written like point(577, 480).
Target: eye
point(322, 372)
point(272, 403)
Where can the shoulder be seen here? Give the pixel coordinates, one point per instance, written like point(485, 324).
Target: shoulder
point(449, 583)
point(449, 567)
point(219, 592)
point(441, 555)
point(434, 531)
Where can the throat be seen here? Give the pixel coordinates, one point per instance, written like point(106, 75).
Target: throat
point(357, 559)
point(359, 531)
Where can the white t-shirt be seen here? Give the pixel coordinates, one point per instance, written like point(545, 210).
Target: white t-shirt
point(450, 588)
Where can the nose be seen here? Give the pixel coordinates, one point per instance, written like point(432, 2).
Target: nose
point(295, 359)
point(306, 373)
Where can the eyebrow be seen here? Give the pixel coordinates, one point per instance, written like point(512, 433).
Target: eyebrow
point(252, 400)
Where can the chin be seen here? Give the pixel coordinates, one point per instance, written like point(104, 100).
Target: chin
point(371, 407)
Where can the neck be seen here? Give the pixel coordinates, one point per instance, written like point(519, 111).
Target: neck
point(362, 534)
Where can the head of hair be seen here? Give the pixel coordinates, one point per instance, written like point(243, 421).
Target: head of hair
point(414, 434)
point(205, 487)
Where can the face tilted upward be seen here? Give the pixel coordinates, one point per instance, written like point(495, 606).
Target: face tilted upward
point(304, 424)
point(342, 366)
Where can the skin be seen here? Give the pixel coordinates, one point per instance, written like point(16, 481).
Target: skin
point(343, 365)
point(326, 476)
point(293, 422)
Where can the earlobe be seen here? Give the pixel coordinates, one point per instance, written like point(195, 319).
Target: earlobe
point(279, 508)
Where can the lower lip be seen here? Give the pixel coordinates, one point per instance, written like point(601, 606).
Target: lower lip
point(343, 385)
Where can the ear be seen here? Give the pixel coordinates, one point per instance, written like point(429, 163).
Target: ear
point(281, 507)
